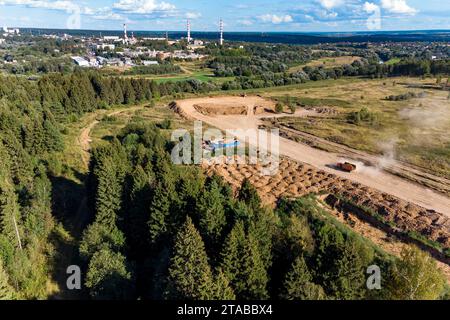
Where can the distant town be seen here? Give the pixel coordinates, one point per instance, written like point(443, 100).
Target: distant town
point(123, 51)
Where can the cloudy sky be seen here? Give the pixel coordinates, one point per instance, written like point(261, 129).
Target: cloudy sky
point(238, 15)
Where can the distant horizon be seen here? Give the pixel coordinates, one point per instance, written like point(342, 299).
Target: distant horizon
point(251, 16)
point(235, 31)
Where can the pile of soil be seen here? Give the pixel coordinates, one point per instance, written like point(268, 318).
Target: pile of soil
point(324, 110)
point(263, 109)
point(295, 179)
point(215, 109)
point(177, 109)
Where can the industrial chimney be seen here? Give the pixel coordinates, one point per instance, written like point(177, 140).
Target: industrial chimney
point(221, 32)
point(189, 31)
point(125, 36)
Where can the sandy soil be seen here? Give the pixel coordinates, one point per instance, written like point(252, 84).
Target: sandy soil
point(368, 176)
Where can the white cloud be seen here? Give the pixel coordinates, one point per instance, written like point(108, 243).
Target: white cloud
point(109, 16)
point(330, 4)
point(398, 6)
point(370, 7)
point(245, 22)
point(143, 6)
point(327, 15)
point(275, 19)
point(63, 5)
point(193, 15)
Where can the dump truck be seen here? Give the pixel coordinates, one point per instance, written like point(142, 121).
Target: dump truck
point(346, 166)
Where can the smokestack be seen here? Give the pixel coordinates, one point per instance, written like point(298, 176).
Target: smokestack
point(125, 36)
point(221, 32)
point(188, 31)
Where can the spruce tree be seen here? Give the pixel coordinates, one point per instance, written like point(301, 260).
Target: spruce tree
point(298, 283)
point(190, 275)
point(159, 213)
point(138, 210)
point(231, 253)
point(243, 266)
point(221, 287)
point(253, 274)
point(346, 278)
point(249, 195)
point(109, 193)
point(211, 213)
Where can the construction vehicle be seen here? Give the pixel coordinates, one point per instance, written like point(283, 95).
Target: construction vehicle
point(219, 144)
point(346, 166)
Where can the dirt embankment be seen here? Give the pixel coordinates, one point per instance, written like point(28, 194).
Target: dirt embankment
point(231, 108)
point(224, 110)
point(295, 179)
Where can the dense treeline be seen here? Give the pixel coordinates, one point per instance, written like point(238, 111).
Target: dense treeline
point(27, 131)
point(365, 68)
point(163, 231)
point(157, 69)
point(84, 91)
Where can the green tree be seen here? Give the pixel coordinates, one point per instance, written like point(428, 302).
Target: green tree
point(211, 212)
point(109, 192)
point(190, 275)
point(329, 243)
point(346, 278)
point(231, 252)
point(107, 276)
point(6, 290)
point(159, 213)
point(98, 236)
point(243, 266)
point(298, 283)
point(135, 221)
point(9, 206)
point(415, 276)
point(253, 273)
point(249, 195)
point(221, 287)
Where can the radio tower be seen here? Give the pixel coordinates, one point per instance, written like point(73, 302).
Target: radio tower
point(221, 32)
point(189, 31)
point(125, 36)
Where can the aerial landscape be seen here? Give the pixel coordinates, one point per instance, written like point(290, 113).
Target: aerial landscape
point(264, 151)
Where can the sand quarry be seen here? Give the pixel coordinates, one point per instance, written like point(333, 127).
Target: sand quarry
point(305, 170)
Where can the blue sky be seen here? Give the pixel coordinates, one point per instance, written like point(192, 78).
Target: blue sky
point(243, 15)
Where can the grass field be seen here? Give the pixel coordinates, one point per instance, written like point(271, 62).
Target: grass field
point(191, 70)
point(393, 61)
point(327, 62)
point(416, 130)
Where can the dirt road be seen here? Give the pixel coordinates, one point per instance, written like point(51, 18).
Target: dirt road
point(369, 176)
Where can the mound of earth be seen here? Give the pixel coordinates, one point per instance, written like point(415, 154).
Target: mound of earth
point(323, 110)
point(263, 109)
point(177, 109)
point(221, 109)
point(295, 179)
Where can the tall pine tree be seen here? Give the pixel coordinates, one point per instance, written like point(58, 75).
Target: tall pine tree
point(190, 275)
point(298, 283)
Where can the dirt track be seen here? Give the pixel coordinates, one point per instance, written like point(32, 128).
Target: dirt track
point(368, 176)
